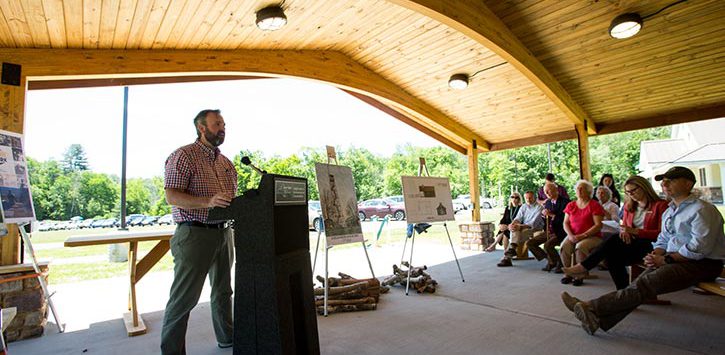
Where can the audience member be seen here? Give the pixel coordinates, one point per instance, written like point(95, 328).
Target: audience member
point(689, 249)
point(641, 224)
point(526, 224)
point(509, 213)
point(582, 223)
point(553, 213)
point(550, 178)
point(608, 181)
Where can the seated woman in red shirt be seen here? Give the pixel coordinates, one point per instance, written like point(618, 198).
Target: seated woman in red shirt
point(641, 225)
point(583, 225)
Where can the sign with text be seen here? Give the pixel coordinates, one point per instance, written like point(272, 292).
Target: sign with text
point(17, 203)
point(427, 199)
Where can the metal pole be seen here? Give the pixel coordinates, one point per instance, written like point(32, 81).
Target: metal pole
point(124, 140)
point(410, 263)
point(454, 252)
point(548, 148)
point(314, 264)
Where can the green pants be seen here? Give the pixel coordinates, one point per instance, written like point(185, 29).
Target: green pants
point(198, 251)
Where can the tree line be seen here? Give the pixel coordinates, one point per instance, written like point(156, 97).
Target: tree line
point(67, 188)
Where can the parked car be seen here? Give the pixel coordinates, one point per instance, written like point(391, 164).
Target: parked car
point(134, 219)
point(486, 203)
point(44, 226)
point(396, 198)
point(314, 215)
point(86, 223)
point(380, 208)
point(98, 223)
point(149, 221)
point(167, 219)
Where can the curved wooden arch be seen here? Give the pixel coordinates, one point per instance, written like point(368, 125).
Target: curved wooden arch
point(327, 66)
point(474, 19)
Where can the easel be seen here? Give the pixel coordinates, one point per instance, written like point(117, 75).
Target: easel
point(331, 155)
point(29, 249)
point(421, 168)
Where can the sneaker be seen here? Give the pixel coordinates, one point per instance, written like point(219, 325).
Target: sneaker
point(225, 345)
point(505, 262)
point(569, 300)
point(577, 282)
point(590, 321)
point(566, 280)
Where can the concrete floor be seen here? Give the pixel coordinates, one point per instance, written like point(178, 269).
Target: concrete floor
point(514, 310)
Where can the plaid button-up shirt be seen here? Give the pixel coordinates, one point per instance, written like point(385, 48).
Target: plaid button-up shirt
point(199, 171)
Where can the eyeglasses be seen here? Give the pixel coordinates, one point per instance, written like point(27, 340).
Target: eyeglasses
point(632, 191)
point(515, 197)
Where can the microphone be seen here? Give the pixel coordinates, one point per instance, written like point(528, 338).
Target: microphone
point(248, 162)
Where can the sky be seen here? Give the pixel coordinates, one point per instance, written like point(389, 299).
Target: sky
point(275, 116)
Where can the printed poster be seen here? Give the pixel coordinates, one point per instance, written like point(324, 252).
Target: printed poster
point(17, 203)
point(427, 199)
point(339, 204)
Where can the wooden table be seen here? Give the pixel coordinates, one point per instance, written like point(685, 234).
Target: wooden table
point(137, 268)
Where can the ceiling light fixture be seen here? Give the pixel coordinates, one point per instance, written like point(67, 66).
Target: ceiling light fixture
point(460, 81)
point(271, 18)
point(625, 25)
point(629, 24)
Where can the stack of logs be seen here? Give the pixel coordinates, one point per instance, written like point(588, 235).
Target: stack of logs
point(348, 294)
point(419, 279)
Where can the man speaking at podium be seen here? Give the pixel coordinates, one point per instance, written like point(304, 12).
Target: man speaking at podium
point(198, 177)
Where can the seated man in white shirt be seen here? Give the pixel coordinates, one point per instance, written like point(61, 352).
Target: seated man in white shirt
point(525, 225)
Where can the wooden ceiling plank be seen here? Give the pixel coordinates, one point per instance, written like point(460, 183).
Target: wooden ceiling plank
point(124, 19)
point(214, 15)
point(245, 23)
point(6, 36)
point(401, 31)
point(91, 23)
point(73, 23)
point(478, 22)
point(183, 22)
point(153, 24)
point(109, 18)
point(37, 23)
point(229, 17)
point(173, 12)
point(13, 11)
point(138, 25)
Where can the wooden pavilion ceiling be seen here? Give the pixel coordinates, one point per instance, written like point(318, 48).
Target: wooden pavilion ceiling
point(672, 71)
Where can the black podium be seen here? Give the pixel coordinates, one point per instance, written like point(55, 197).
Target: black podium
point(274, 306)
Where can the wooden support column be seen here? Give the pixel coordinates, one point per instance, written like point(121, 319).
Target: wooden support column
point(473, 181)
point(585, 169)
point(12, 106)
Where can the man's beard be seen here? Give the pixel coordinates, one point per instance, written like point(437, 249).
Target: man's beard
point(214, 139)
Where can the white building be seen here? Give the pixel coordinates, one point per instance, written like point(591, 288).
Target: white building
point(699, 146)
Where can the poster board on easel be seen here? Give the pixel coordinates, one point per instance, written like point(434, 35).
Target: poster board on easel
point(17, 201)
point(339, 204)
point(427, 199)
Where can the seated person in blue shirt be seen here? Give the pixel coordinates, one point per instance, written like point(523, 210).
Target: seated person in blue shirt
point(527, 224)
point(689, 249)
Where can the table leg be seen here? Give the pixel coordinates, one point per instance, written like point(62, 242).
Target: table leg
point(134, 323)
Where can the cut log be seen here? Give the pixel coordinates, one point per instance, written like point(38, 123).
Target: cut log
point(348, 308)
point(343, 302)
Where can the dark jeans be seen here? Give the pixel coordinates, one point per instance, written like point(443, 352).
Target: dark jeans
point(549, 252)
point(614, 306)
point(618, 256)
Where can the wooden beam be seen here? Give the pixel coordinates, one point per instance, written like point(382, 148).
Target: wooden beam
point(474, 19)
point(536, 140)
point(664, 119)
point(585, 168)
point(473, 183)
point(327, 66)
point(407, 120)
point(90, 83)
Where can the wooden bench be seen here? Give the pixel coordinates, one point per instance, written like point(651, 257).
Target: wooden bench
point(717, 287)
point(137, 268)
